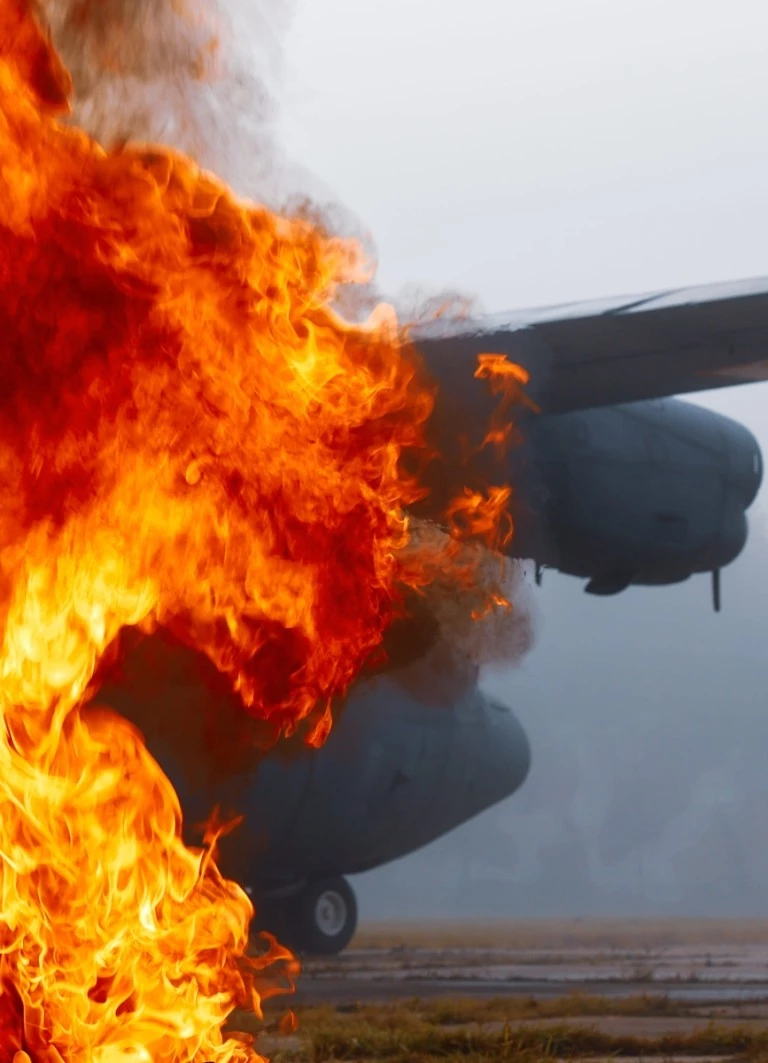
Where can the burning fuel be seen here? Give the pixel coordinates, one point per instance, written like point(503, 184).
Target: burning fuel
point(191, 437)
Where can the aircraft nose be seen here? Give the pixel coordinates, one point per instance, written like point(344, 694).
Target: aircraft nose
point(504, 758)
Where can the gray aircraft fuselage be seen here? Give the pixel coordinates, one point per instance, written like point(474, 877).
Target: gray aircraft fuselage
point(395, 773)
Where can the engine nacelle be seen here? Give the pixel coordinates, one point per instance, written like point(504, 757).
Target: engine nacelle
point(645, 493)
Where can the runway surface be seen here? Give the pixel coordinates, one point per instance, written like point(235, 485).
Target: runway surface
point(710, 970)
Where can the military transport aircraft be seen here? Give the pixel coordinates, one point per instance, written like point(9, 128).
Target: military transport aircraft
point(618, 484)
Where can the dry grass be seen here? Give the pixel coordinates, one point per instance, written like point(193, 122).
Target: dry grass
point(451, 1011)
point(362, 1041)
point(562, 933)
point(474, 1031)
point(458, 1011)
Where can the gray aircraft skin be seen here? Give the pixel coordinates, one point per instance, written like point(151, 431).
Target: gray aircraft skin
point(615, 484)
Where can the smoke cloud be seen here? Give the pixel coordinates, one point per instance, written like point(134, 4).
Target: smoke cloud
point(201, 77)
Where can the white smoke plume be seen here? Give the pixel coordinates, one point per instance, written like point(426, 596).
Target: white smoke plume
point(201, 76)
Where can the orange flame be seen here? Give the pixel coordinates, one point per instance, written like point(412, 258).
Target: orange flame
point(473, 514)
point(189, 436)
point(486, 517)
point(507, 379)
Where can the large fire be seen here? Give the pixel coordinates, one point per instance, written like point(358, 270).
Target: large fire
point(191, 437)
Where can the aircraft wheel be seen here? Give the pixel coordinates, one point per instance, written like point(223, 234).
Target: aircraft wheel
point(324, 917)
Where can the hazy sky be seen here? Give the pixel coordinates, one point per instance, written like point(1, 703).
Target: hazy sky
point(529, 153)
point(537, 152)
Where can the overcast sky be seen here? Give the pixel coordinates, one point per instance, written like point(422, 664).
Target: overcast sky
point(537, 152)
point(531, 153)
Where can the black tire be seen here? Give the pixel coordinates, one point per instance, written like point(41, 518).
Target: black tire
point(322, 919)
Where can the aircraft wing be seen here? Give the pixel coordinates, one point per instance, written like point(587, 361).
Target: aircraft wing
point(625, 349)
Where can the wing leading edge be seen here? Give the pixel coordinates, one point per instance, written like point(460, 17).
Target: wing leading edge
point(622, 350)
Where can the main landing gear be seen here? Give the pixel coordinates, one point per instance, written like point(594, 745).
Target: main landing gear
point(317, 919)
